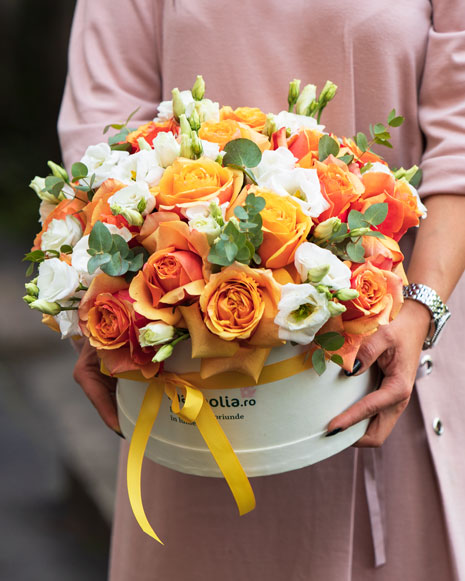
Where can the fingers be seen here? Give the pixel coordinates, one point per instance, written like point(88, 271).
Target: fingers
point(99, 388)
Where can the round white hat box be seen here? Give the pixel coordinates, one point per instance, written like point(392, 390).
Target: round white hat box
point(273, 428)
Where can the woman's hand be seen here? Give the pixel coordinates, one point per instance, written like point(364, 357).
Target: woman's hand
point(99, 388)
point(396, 348)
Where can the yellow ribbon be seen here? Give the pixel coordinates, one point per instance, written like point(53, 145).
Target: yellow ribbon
point(196, 409)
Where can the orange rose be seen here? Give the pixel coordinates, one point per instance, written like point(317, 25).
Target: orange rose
point(222, 132)
point(403, 212)
point(304, 146)
point(379, 300)
point(168, 278)
point(339, 186)
point(99, 210)
point(108, 319)
point(349, 147)
point(251, 116)
point(382, 252)
point(149, 131)
point(240, 303)
point(187, 182)
point(284, 228)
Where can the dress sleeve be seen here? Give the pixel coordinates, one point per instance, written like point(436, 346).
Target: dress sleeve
point(113, 68)
point(442, 101)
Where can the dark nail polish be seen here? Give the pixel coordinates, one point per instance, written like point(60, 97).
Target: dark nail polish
point(334, 432)
point(355, 368)
point(120, 434)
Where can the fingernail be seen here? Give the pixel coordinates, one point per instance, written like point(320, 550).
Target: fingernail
point(120, 434)
point(334, 432)
point(355, 368)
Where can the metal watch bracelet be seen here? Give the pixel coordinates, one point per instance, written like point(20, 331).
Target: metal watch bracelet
point(432, 301)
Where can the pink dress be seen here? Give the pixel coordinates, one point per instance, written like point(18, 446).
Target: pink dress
point(392, 513)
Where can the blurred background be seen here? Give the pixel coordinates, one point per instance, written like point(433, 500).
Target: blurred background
point(57, 460)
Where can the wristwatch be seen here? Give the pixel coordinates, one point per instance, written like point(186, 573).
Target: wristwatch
point(432, 301)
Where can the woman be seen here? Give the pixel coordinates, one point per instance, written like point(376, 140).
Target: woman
point(366, 513)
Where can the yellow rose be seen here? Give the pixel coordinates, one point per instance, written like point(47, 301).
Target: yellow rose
point(222, 132)
point(251, 116)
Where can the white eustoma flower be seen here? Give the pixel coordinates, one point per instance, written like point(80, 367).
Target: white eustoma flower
point(300, 183)
point(68, 322)
point(310, 257)
point(59, 232)
point(132, 197)
point(80, 257)
point(379, 167)
point(142, 166)
point(296, 122)
point(166, 147)
point(211, 150)
point(302, 311)
point(273, 161)
point(165, 109)
point(155, 333)
point(101, 160)
point(207, 110)
point(57, 280)
point(201, 219)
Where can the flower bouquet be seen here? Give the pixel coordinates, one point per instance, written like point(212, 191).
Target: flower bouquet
point(226, 258)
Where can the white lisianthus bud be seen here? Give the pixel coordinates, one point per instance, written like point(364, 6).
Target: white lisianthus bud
point(178, 105)
point(67, 231)
point(186, 146)
point(206, 224)
point(57, 280)
point(58, 171)
point(327, 93)
point(68, 322)
point(46, 307)
point(163, 353)
point(270, 125)
point(134, 217)
point(302, 311)
point(325, 229)
point(32, 289)
point(167, 148)
point(197, 147)
point(207, 110)
point(359, 232)
point(129, 198)
point(212, 151)
point(28, 299)
point(306, 97)
point(198, 90)
point(293, 94)
point(309, 256)
point(336, 309)
point(143, 144)
point(165, 109)
point(347, 294)
point(38, 185)
point(155, 334)
point(318, 273)
point(194, 120)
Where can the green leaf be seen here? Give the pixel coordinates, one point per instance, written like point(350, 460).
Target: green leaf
point(356, 251)
point(136, 263)
point(375, 234)
point(117, 265)
point(215, 258)
point(120, 136)
point(327, 146)
point(318, 361)
point(366, 167)
point(416, 179)
point(96, 261)
point(337, 359)
point(395, 120)
point(54, 185)
point(230, 249)
point(121, 147)
point(119, 245)
point(34, 256)
point(331, 341)
point(361, 141)
point(240, 213)
point(376, 214)
point(66, 249)
point(30, 269)
point(356, 220)
point(379, 129)
point(100, 238)
point(242, 152)
point(244, 254)
point(254, 204)
point(348, 159)
point(79, 171)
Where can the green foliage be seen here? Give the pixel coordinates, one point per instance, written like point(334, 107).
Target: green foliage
point(79, 171)
point(327, 146)
point(319, 361)
point(54, 185)
point(331, 341)
point(241, 236)
point(379, 133)
point(242, 154)
point(120, 126)
point(112, 254)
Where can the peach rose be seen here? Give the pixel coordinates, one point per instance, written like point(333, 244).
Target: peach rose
point(222, 132)
point(169, 277)
point(379, 301)
point(284, 228)
point(339, 186)
point(403, 212)
point(108, 319)
point(251, 116)
point(349, 147)
point(304, 146)
point(99, 210)
point(240, 303)
point(187, 182)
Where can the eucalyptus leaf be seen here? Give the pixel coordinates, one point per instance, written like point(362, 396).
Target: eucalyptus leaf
point(66, 249)
point(356, 220)
point(356, 251)
point(96, 261)
point(119, 245)
point(136, 263)
point(375, 234)
point(318, 361)
point(348, 159)
point(240, 213)
point(100, 238)
point(230, 249)
point(215, 258)
point(361, 141)
point(117, 265)
point(376, 214)
point(335, 358)
point(327, 146)
point(242, 152)
point(121, 147)
point(416, 179)
point(244, 254)
point(331, 341)
point(54, 185)
point(79, 171)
